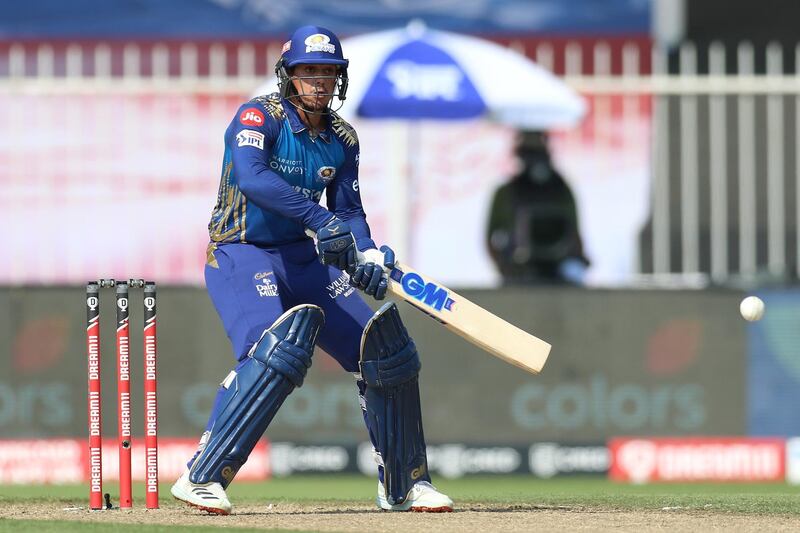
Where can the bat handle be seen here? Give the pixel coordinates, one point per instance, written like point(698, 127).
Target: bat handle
point(363, 259)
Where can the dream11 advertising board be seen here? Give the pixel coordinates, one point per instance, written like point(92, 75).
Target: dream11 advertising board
point(696, 459)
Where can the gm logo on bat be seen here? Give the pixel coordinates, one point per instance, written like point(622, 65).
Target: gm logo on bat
point(428, 293)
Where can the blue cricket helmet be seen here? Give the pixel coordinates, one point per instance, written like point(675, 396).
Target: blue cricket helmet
point(311, 45)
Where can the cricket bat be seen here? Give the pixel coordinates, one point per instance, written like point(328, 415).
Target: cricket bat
point(468, 320)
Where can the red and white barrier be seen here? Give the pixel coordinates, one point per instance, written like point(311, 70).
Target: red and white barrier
point(44, 461)
point(61, 461)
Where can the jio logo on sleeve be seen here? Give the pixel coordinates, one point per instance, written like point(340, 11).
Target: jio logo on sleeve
point(252, 117)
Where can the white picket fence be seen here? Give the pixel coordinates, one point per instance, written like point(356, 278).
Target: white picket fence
point(741, 150)
point(725, 189)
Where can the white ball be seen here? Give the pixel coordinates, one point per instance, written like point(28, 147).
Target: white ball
point(752, 308)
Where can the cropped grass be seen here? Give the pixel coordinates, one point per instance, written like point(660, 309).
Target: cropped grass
point(498, 491)
point(47, 526)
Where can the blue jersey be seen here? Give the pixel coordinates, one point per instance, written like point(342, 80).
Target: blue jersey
point(274, 172)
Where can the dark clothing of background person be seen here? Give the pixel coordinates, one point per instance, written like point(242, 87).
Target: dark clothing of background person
point(533, 234)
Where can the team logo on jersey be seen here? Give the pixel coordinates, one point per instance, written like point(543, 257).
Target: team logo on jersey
point(326, 174)
point(265, 284)
point(319, 43)
point(252, 117)
point(250, 138)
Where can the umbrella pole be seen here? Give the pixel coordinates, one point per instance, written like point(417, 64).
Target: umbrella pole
point(401, 170)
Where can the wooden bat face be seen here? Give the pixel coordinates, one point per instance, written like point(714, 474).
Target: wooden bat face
point(468, 320)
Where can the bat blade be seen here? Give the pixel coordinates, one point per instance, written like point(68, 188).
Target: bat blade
point(469, 320)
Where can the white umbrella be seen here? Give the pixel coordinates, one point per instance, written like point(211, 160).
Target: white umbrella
point(420, 73)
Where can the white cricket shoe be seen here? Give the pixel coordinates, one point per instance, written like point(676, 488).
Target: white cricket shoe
point(209, 497)
point(423, 498)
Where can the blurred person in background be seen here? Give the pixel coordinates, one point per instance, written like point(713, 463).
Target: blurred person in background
point(533, 234)
point(278, 294)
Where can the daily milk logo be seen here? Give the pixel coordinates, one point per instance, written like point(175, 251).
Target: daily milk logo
point(424, 82)
point(265, 285)
point(428, 293)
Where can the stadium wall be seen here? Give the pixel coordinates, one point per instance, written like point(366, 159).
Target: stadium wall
point(624, 362)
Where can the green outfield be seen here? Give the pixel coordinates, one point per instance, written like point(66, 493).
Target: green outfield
point(499, 493)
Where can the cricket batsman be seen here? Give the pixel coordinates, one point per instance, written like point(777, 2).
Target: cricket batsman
point(279, 294)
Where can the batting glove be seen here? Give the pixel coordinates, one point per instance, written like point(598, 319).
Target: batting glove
point(371, 273)
point(336, 246)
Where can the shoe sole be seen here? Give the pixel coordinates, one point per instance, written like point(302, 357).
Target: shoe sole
point(210, 510)
point(418, 509)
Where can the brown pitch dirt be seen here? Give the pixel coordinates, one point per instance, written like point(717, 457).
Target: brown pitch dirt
point(361, 517)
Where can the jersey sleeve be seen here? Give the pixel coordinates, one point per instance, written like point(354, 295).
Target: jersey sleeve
point(344, 198)
point(251, 137)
